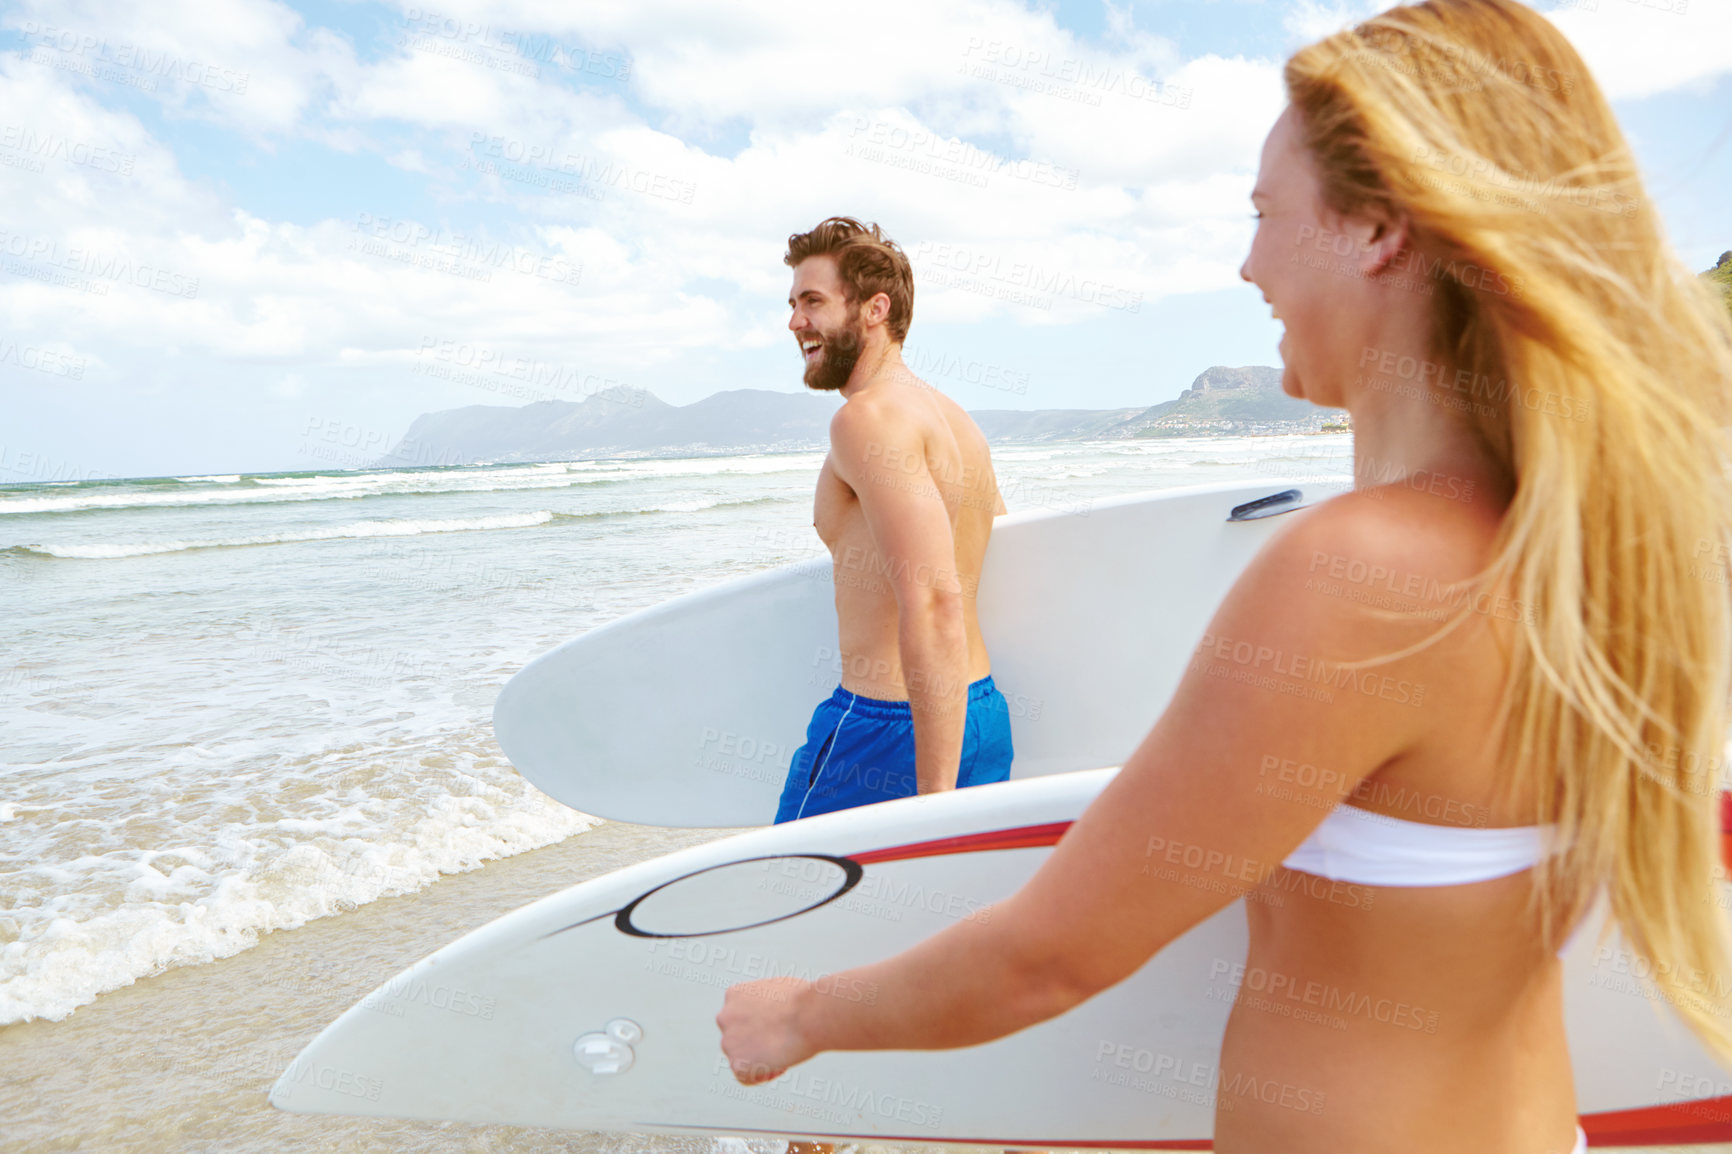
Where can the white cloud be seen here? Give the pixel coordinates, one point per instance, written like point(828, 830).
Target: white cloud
point(1310, 20)
point(1070, 177)
point(1638, 48)
point(762, 61)
point(1634, 48)
point(249, 64)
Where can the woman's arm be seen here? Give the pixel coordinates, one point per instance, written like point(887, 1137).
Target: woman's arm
point(1190, 823)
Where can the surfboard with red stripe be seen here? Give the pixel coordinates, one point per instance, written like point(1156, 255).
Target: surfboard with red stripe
point(594, 1009)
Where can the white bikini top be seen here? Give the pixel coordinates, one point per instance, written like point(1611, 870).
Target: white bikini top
point(1373, 849)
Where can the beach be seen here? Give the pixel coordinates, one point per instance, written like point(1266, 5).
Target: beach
point(248, 756)
point(183, 1061)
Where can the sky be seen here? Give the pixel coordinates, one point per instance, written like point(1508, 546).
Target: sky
point(242, 236)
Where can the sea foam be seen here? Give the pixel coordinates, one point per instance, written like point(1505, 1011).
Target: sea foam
point(136, 912)
point(335, 532)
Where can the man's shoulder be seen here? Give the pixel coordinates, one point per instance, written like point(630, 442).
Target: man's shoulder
point(873, 418)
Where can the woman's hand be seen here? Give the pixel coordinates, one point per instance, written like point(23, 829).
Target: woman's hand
point(760, 1029)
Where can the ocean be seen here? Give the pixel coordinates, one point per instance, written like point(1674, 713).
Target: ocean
point(232, 705)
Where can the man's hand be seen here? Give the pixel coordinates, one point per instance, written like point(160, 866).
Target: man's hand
point(760, 1029)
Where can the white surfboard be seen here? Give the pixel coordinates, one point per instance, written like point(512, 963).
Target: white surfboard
point(688, 713)
point(594, 1009)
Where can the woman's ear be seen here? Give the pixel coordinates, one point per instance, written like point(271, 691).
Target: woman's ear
point(1377, 240)
point(1385, 238)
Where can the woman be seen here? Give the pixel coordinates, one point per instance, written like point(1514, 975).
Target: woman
point(1525, 592)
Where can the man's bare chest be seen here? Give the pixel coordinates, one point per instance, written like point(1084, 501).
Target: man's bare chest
point(835, 508)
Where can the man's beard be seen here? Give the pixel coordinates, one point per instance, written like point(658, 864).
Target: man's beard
point(837, 356)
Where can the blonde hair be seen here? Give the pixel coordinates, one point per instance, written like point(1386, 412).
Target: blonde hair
point(1478, 122)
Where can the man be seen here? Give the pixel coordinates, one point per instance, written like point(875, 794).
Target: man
point(905, 504)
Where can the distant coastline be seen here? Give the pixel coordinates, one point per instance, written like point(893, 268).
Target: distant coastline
point(626, 422)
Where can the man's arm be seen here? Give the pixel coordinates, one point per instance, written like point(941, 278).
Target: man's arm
point(882, 457)
point(1188, 825)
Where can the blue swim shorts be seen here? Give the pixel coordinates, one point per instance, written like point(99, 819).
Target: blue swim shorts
point(860, 750)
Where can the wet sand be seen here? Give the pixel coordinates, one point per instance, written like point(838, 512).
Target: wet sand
point(182, 1061)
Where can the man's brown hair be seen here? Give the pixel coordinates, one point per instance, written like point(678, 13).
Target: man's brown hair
point(868, 262)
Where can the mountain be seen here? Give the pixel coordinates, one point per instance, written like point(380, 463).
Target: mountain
point(1223, 400)
point(1220, 400)
point(1720, 276)
point(629, 422)
point(618, 422)
point(1011, 426)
